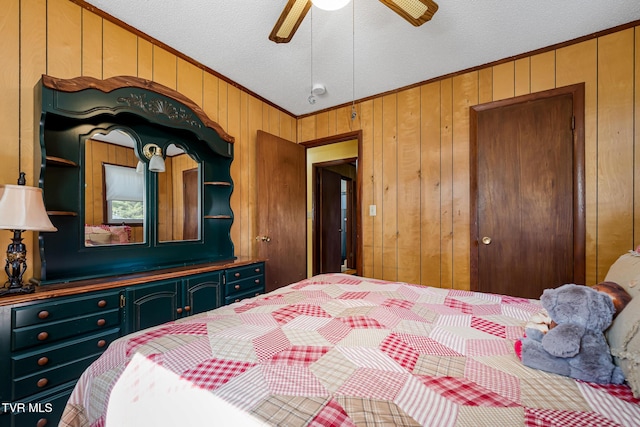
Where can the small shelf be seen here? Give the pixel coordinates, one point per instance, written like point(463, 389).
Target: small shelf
point(217, 217)
point(59, 161)
point(218, 183)
point(62, 213)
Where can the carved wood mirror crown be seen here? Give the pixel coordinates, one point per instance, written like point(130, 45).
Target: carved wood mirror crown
point(116, 214)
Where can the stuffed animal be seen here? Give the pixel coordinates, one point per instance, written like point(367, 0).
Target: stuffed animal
point(575, 346)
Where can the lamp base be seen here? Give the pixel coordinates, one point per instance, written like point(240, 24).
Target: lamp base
point(16, 266)
point(25, 289)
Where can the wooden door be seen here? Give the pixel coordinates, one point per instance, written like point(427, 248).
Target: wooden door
point(529, 224)
point(190, 204)
point(352, 222)
point(330, 221)
point(282, 224)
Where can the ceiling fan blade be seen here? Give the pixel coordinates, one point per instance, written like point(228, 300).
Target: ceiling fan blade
point(289, 21)
point(417, 12)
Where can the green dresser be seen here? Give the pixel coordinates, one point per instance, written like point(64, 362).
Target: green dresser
point(166, 300)
point(47, 343)
point(243, 282)
point(50, 343)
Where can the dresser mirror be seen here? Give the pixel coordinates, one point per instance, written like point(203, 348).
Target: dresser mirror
point(172, 206)
point(115, 198)
point(114, 190)
point(179, 197)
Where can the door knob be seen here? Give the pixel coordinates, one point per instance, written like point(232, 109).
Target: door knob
point(263, 238)
point(486, 240)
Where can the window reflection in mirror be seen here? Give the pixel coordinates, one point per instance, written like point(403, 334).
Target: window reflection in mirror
point(114, 191)
point(124, 195)
point(179, 197)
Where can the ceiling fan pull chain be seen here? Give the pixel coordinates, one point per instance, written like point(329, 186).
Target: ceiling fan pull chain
point(353, 61)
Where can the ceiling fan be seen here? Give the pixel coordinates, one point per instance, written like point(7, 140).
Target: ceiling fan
point(417, 12)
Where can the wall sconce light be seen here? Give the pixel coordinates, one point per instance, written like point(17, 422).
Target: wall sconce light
point(154, 154)
point(21, 209)
point(140, 167)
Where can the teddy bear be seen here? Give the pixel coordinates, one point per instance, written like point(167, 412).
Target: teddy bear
point(575, 345)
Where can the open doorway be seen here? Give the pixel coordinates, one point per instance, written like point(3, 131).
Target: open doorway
point(335, 220)
point(339, 151)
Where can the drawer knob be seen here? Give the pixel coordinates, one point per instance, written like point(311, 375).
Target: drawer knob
point(257, 281)
point(187, 308)
point(43, 314)
point(101, 322)
point(179, 310)
point(102, 303)
point(237, 300)
point(102, 343)
point(42, 382)
point(41, 422)
point(257, 270)
point(236, 287)
point(43, 361)
point(43, 336)
point(237, 274)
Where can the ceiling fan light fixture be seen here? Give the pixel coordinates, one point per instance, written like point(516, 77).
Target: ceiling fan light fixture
point(289, 20)
point(417, 12)
point(330, 4)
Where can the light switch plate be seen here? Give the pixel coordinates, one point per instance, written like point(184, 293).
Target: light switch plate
point(372, 210)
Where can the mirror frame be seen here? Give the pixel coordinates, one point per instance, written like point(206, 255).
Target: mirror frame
point(74, 109)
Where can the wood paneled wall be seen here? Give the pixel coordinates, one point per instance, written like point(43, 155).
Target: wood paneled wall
point(416, 158)
point(62, 39)
point(415, 154)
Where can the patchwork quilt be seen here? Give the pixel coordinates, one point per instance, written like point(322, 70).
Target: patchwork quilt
point(341, 350)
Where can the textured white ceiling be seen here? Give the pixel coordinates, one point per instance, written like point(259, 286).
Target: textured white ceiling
point(231, 37)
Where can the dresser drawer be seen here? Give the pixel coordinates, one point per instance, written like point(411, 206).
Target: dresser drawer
point(49, 378)
point(50, 356)
point(240, 273)
point(241, 286)
point(47, 410)
point(247, 294)
point(65, 308)
point(53, 331)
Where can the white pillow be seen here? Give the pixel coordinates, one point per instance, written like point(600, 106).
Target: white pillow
point(626, 273)
point(624, 333)
point(624, 341)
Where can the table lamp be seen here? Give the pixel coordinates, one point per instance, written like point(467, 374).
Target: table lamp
point(21, 209)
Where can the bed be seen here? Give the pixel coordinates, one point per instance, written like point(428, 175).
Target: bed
point(343, 350)
point(95, 235)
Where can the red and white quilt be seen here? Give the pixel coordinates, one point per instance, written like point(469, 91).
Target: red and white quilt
point(349, 351)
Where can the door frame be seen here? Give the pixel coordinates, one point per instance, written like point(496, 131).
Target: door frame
point(317, 223)
point(348, 136)
point(579, 205)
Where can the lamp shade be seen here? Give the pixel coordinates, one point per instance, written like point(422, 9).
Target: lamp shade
point(140, 167)
point(156, 163)
point(22, 208)
point(330, 4)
